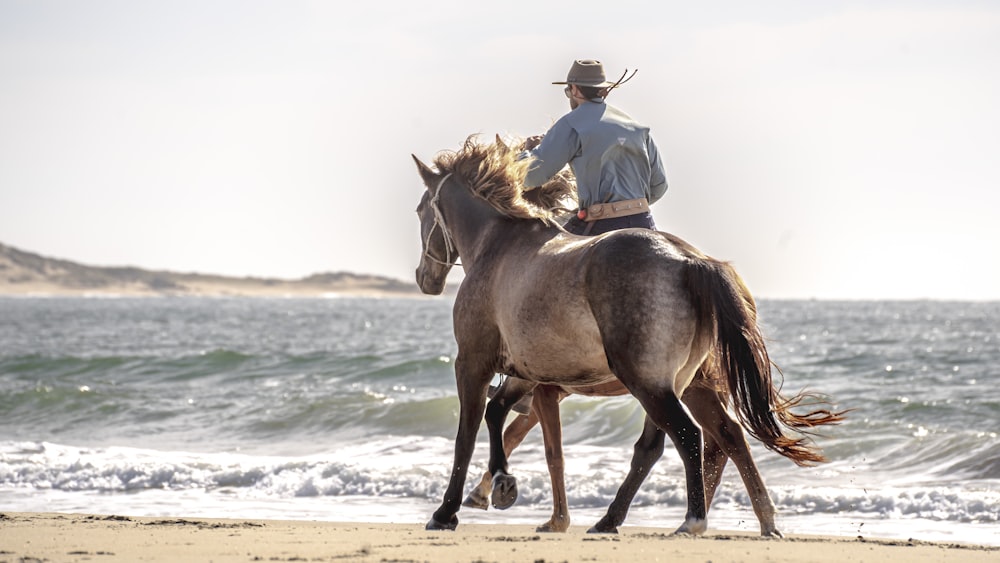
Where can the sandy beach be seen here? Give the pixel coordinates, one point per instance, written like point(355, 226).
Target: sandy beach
point(109, 539)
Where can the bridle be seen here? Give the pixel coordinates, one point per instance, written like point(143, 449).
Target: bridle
point(449, 242)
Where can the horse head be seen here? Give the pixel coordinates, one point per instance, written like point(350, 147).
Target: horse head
point(439, 253)
point(493, 180)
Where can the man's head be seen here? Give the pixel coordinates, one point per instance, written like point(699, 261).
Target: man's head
point(578, 94)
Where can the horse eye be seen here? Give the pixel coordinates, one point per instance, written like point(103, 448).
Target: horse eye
point(422, 204)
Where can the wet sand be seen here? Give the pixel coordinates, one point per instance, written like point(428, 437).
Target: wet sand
point(111, 539)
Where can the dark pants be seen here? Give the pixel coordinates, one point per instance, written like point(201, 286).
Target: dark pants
point(641, 220)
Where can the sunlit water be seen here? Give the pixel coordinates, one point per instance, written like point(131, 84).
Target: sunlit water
point(345, 410)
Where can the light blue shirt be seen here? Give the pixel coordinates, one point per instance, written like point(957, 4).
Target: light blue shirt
point(612, 156)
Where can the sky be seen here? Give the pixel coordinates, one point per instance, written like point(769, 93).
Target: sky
point(830, 150)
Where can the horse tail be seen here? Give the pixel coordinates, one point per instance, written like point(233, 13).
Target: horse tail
point(722, 300)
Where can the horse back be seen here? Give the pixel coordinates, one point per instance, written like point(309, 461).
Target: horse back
point(555, 306)
point(636, 277)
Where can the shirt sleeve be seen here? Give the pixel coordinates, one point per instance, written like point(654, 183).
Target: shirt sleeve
point(560, 145)
point(657, 174)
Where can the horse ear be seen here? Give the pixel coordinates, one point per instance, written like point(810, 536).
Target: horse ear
point(428, 175)
point(503, 146)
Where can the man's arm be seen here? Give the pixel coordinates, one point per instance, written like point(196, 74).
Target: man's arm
point(557, 148)
point(657, 174)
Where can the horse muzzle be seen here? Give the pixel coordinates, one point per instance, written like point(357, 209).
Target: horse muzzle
point(430, 284)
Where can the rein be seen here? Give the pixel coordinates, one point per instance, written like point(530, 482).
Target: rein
point(449, 242)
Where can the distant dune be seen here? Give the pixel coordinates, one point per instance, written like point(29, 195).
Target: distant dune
point(25, 273)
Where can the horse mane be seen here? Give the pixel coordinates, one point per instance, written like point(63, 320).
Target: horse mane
point(494, 173)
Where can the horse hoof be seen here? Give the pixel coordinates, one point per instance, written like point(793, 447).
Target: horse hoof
point(434, 524)
point(605, 525)
point(504, 491)
point(692, 527)
point(550, 528)
point(476, 500)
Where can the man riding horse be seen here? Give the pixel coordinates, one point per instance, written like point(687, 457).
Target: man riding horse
point(617, 166)
point(614, 159)
point(635, 306)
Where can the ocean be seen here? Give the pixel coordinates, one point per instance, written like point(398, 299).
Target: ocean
point(344, 409)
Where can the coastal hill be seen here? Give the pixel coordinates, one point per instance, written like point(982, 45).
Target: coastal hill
point(25, 273)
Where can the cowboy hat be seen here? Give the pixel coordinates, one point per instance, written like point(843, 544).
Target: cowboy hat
point(588, 72)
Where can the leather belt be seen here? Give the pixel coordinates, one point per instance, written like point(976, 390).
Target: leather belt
point(614, 209)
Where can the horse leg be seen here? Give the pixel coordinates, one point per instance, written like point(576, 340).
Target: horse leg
point(513, 435)
point(727, 439)
point(480, 496)
point(472, 380)
point(713, 461)
point(545, 405)
point(646, 452)
point(504, 484)
point(670, 414)
point(703, 404)
point(648, 449)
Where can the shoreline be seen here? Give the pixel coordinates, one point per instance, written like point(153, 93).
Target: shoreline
point(28, 536)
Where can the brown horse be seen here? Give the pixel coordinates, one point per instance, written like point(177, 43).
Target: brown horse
point(547, 307)
point(724, 439)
